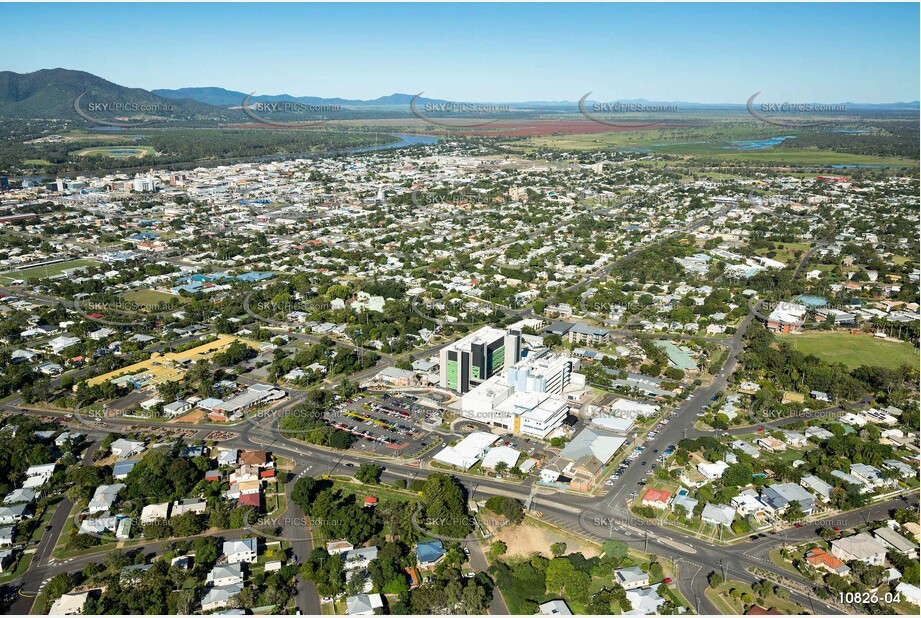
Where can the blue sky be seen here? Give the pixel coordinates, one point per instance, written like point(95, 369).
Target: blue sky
point(711, 53)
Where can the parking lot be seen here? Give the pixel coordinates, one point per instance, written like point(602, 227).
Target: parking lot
point(637, 453)
point(382, 425)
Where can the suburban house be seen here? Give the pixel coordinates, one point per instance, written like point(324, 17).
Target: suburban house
point(153, 512)
point(632, 577)
point(429, 553)
point(771, 444)
point(338, 547)
point(70, 604)
point(860, 547)
point(557, 607)
point(780, 495)
point(712, 471)
point(243, 550)
point(123, 448)
point(656, 498)
point(718, 514)
point(177, 408)
point(181, 507)
point(363, 604)
point(225, 574)
point(645, 601)
point(817, 485)
point(14, 513)
point(43, 471)
point(821, 559)
point(104, 498)
point(219, 596)
point(896, 542)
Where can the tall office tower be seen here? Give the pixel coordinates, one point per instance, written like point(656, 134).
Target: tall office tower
point(474, 359)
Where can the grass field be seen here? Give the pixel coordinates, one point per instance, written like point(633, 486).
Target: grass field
point(116, 152)
point(855, 350)
point(150, 298)
point(40, 272)
point(785, 252)
point(706, 142)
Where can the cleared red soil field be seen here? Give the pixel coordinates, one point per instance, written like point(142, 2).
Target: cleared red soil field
point(524, 128)
point(539, 128)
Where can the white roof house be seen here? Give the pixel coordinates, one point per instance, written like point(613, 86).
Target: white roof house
point(220, 596)
point(181, 507)
point(860, 547)
point(126, 448)
point(227, 456)
point(645, 601)
point(225, 574)
point(468, 451)
point(497, 454)
point(43, 470)
point(556, 607)
point(104, 497)
point(243, 550)
point(745, 447)
point(718, 514)
point(588, 442)
point(712, 471)
point(892, 539)
point(910, 592)
point(626, 408)
point(359, 558)
point(788, 313)
point(363, 604)
point(817, 485)
point(69, 604)
point(153, 512)
point(99, 525)
point(747, 504)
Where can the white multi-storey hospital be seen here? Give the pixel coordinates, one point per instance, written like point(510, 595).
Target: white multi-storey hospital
point(526, 399)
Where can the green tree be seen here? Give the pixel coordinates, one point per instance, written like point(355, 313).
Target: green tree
point(58, 585)
point(369, 473)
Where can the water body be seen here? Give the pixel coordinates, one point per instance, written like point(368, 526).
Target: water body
point(758, 144)
point(406, 139)
point(680, 144)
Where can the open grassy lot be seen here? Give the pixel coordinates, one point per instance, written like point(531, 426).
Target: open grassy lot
point(40, 272)
point(855, 350)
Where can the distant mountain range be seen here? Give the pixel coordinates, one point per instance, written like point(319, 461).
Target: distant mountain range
point(51, 94)
point(232, 98)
